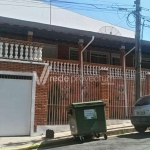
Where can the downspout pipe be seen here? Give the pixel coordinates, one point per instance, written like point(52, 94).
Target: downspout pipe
point(82, 66)
point(125, 83)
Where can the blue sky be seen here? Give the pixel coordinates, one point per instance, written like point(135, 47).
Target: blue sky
point(110, 17)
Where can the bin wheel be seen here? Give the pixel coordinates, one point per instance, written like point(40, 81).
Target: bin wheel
point(105, 136)
point(97, 135)
point(140, 129)
point(81, 139)
point(75, 138)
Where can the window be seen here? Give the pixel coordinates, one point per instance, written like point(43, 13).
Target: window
point(73, 53)
point(50, 51)
point(143, 101)
point(99, 57)
point(144, 64)
point(115, 59)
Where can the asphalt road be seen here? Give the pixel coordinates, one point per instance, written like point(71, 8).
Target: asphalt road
point(134, 141)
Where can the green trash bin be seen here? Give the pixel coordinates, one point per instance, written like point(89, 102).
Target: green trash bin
point(87, 118)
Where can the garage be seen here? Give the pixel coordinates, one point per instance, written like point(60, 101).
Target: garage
point(15, 105)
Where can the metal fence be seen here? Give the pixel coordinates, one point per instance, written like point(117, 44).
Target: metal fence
point(64, 88)
point(117, 107)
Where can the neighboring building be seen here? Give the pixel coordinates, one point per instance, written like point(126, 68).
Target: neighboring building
point(28, 44)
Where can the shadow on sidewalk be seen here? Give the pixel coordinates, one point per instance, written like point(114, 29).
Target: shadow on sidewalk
point(135, 135)
point(62, 143)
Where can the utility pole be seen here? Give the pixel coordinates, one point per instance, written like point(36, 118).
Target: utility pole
point(138, 51)
point(50, 2)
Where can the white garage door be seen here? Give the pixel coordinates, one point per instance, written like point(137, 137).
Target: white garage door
point(15, 105)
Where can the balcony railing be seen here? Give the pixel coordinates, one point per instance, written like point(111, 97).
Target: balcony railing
point(22, 50)
point(73, 67)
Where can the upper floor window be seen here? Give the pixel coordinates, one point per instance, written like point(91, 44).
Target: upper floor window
point(50, 51)
point(99, 57)
point(115, 59)
point(144, 64)
point(73, 53)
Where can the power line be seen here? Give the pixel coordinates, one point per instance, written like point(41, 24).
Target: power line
point(89, 7)
point(78, 5)
point(112, 7)
point(62, 1)
point(58, 1)
point(131, 24)
point(105, 6)
point(146, 9)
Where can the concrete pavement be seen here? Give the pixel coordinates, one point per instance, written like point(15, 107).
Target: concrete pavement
point(11, 143)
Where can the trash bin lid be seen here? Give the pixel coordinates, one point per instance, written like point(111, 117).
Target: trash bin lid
point(85, 104)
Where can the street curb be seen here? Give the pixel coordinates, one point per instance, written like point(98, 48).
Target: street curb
point(51, 143)
point(121, 131)
point(70, 139)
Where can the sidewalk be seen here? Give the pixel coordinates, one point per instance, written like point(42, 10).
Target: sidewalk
point(11, 143)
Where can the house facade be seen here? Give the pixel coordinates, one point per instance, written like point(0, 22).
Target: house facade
point(40, 73)
point(26, 57)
